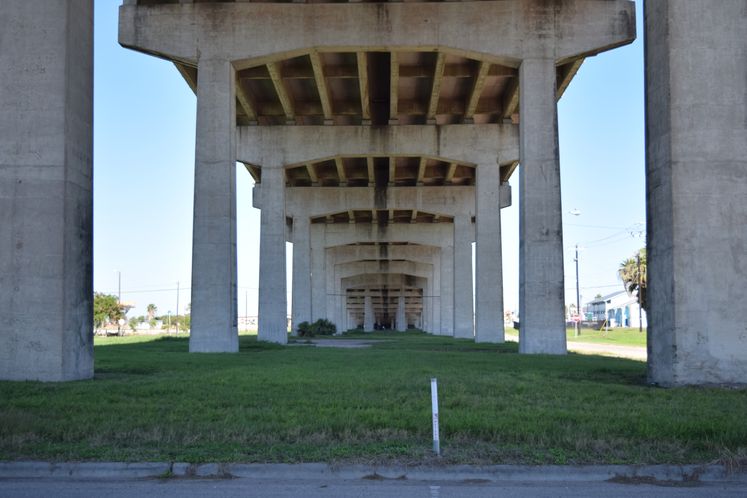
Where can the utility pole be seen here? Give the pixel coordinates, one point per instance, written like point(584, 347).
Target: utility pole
point(640, 312)
point(177, 307)
point(246, 310)
point(578, 297)
point(577, 212)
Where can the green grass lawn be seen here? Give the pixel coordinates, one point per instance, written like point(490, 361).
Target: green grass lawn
point(151, 400)
point(619, 336)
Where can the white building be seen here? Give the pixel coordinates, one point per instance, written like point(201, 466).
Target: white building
point(620, 309)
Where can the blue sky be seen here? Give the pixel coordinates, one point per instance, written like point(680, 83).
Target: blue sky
point(144, 128)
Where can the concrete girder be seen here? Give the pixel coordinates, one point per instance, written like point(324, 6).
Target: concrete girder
point(317, 202)
point(249, 31)
point(475, 144)
point(437, 234)
point(417, 253)
point(349, 269)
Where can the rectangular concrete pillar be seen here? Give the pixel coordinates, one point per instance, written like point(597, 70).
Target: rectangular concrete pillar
point(332, 284)
point(434, 298)
point(318, 277)
point(447, 289)
point(488, 256)
point(696, 190)
point(46, 204)
point(368, 313)
point(273, 300)
point(401, 316)
point(301, 272)
point(541, 291)
point(214, 306)
point(340, 306)
point(463, 309)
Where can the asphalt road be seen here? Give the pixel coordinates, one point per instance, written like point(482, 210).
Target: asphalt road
point(188, 488)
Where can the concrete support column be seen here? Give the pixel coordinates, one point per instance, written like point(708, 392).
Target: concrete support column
point(273, 301)
point(214, 307)
point(301, 272)
point(447, 289)
point(340, 305)
point(463, 310)
point(46, 204)
point(318, 276)
point(368, 313)
point(696, 190)
point(541, 292)
point(488, 256)
point(401, 315)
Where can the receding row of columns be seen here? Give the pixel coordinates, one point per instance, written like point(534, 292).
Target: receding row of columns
point(541, 250)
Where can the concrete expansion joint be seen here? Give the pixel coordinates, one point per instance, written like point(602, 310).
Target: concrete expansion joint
point(666, 475)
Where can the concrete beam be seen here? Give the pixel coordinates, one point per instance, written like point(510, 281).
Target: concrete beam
point(46, 202)
point(290, 145)
point(248, 32)
point(322, 201)
point(418, 253)
point(349, 269)
point(427, 234)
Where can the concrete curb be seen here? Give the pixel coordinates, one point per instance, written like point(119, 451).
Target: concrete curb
point(320, 471)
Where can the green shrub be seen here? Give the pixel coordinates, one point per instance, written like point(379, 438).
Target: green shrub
point(319, 327)
point(303, 329)
point(323, 327)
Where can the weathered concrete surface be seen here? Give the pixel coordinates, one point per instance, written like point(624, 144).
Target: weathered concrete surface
point(214, 306)
point(463, 305)
point(541, 278)
point(488, 255)
point(444, 201)
point(696, 173)
point(299, 144)
point(273, 300)
point(301, 311)
point(250, 31)
point(368, 314)
point(46, 205)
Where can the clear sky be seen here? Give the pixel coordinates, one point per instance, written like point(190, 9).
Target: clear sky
point(144, 130)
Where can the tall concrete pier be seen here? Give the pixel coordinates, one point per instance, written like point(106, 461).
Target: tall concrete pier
point(696, 172)
point(46, 204)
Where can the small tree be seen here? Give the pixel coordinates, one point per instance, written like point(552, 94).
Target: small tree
point(632, 272)
point(106, 309)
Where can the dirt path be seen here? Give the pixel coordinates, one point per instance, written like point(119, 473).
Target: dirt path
point(630, 352)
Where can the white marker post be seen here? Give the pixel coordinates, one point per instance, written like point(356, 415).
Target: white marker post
point(434, 409)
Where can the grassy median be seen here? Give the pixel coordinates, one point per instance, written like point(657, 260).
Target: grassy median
point(151, 400)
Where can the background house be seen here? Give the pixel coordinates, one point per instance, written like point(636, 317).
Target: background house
point(620, 309)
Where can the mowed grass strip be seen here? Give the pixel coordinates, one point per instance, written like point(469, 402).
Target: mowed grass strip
point(615, 336)
point(152, 400)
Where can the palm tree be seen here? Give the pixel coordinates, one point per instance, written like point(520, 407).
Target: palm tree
point(633, 274)
point(152, 309)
